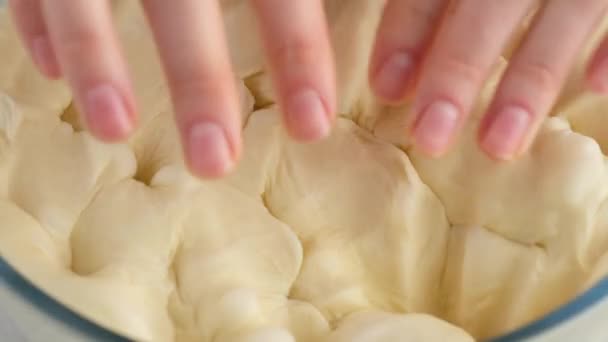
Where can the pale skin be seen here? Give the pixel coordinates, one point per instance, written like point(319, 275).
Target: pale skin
point(436, 52)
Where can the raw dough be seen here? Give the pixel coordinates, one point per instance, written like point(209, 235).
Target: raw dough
point(356, 238)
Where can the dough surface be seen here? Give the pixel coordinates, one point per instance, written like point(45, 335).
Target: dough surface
point(356, 238)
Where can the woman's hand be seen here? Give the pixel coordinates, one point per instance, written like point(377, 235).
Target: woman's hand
point(74, 39)
point(449, 48)
point(440, 51)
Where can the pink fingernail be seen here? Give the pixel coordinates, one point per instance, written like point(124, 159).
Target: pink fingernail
point(506, 132)
point(106, 113)
point(44, 57)
point(307, 117)
point(435, 128)
point(208, 150)
point(391, 81)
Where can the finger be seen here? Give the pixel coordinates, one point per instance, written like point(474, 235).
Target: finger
point(597, 71)
point(89, 56)
point(30, 23)
point(536, 74)
point(468, 43)
point(301, 63)
point(191, 41)
point(401, 40)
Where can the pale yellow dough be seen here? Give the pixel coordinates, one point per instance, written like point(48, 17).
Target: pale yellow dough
point(358, 238)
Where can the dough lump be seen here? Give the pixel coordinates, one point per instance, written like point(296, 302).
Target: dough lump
point(356, 238)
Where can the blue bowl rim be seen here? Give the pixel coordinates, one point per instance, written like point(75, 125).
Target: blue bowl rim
point(568, 311)
point(52, 308)
point(58, 312)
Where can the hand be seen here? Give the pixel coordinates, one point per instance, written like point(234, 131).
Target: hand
point(439, 50)
point(449, 48)
point(74, 39)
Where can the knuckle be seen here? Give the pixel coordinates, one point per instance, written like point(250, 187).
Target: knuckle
point(422, 11)
point(80, 42)
point(587, 6)
point(298, 51)
point(588, 9)
point(197, 85)
point(462, 68)
point(537, 75)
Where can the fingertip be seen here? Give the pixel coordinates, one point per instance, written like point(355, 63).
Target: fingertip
point(436, 127)
point(306, 115)
point(208, 152)
point(391, 78)
point(503, 135)
point(108, 115)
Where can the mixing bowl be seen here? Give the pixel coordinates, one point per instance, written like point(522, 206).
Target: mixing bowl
point(28, 314)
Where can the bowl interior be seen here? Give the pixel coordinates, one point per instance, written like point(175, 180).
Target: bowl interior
point(26, 312)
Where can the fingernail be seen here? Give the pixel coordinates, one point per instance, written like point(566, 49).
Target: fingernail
point(391, 81)
point(307, 117)
point(106, 113)
point(208, 150)
point(44, 57)
point(435, 128)
point(506, 132)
